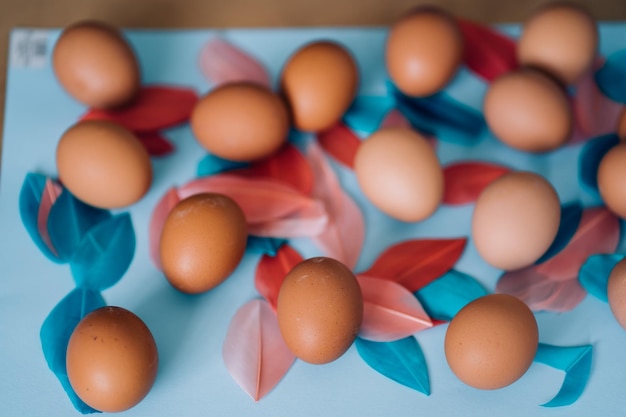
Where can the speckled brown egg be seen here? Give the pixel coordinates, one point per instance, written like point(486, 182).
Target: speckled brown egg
point(611, 175)
point(320, 309)
point(203, 240)
point(95, 64)
point(515, 220)
point(616, 292)
point(398, 171)
point(112, 359)
point(492, 341)
point(528, 111)
point(560, 38)
point(103, 164)
point(240, 121)
point(319, 82)
point(424, 50)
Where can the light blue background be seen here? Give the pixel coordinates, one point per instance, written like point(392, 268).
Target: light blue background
point(189, 330)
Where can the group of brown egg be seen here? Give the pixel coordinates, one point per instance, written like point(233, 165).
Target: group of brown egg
point(204, 237)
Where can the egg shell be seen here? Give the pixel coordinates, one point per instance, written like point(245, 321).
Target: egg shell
point(529, 111)
point(616, 292)
point(611, 179)
point(515, 220)
point(398, 171)
point(423, 51)
point(112, 359)
point(240, 121)
point(319, 82)
point(492, 341)
point(202, 242)
point(319, 309)
point(560, 38)
point(103, 164)
point(95, 64)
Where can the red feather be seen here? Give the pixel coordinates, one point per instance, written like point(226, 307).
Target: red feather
point(287, 165)
point(487, 52)
point(155, 108)
point(465, 181)
point(155, 143)
point(416, 263)
point(341, 143)
point(271, 272)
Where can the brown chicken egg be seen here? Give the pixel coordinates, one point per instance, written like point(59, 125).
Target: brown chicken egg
point(203, 240)
point(616, 292)
point(96, 65)
point(492, 341)
point(611, 175)
point(319, 82)
point(112, 359)
point(398, 171)
point(103, 164)
point(528, 111)
point(424, 50)
point(319, 309)
point(561, 39)
point(515, 220)
point(240, 121)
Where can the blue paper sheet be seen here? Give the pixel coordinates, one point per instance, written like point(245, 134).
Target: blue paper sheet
point(189, 330)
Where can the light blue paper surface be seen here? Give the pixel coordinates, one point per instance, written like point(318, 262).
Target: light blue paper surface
point(189, 331)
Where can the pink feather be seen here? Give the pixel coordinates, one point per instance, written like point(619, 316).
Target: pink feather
point(553, 285)
point(344, 234)
point(539, 292)
point(222, 62)
point(595, 114)
point(157, 221)
point(49, 195)
point(254, 351)
point(390, 311)
point(272, 208)
point(598, 232)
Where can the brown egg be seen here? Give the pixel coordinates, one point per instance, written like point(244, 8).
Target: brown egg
point(621, 126)
point(611, 175)
point(424, 50)
point(616, 291)
point(492, 341)
point(95, 65)
point(400, 174)
point(320, 309)
point(203, 240)
point(560, 38)
point(112, 359)
point(241, 121)
point(319, 82)
point(528, 111)
point(515, 220)
point(103, 164)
